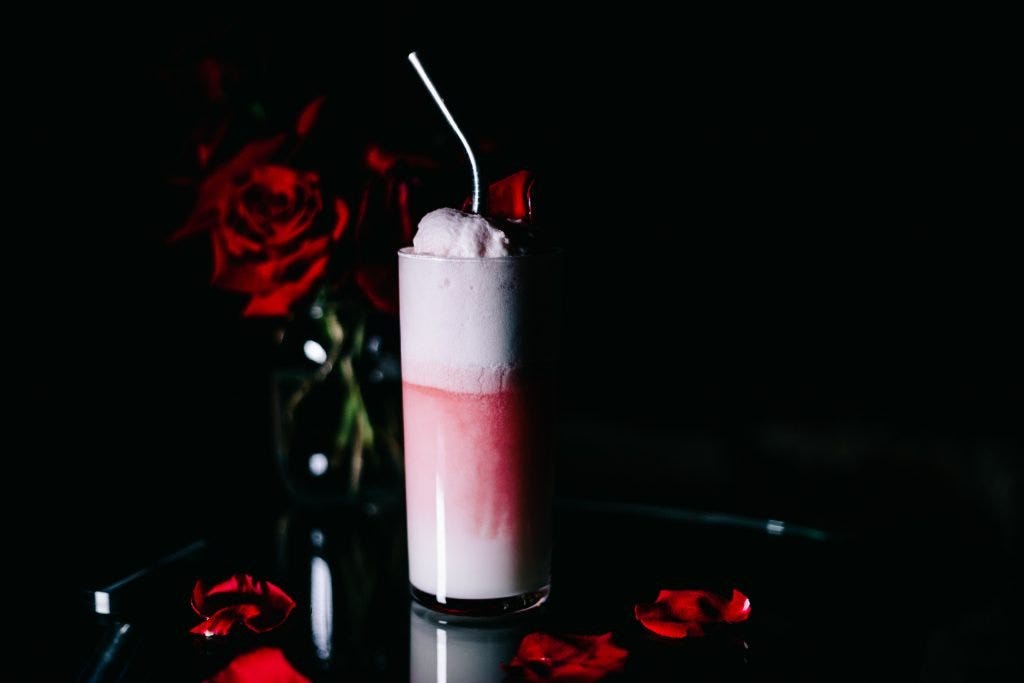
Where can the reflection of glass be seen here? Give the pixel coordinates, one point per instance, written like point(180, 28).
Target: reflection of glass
point(341, 568)
point(478, 341)
point(443, 650)
point(321, 599)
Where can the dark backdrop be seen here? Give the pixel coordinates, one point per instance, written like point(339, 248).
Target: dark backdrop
point(793, 279)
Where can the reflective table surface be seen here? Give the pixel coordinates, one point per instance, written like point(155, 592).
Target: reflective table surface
point(823, 607)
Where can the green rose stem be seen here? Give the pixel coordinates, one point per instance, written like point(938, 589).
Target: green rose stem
point(355, 432)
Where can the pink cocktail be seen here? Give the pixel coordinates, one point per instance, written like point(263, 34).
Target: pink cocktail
point(479, 340)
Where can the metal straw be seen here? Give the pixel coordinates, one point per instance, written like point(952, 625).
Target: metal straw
point(451, 122)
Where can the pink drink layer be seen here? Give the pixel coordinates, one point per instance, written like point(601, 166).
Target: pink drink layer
point(478, 488)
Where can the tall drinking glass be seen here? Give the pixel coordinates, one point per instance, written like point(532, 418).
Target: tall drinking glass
point(479, 344)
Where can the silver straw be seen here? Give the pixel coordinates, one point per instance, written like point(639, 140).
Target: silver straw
point(451, 122)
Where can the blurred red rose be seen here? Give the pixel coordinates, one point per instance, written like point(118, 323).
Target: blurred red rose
point(269, 226)
point(385, 222)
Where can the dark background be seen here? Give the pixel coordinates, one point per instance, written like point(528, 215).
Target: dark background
point(793, 273)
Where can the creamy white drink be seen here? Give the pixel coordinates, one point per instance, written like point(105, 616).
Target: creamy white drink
point(478, 328)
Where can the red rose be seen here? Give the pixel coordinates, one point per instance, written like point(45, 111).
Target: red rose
point(270, 231)
point(385, 223)
point(269, 244)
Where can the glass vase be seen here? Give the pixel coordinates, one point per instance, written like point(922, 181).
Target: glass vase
point(336, 407)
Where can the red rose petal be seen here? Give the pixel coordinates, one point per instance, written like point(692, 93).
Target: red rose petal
point(511, 198)
point(265, 665)
point(691, 605)
point(208, 143)
point(737, 609)
point(379, 284)
point(341, 214)
point(217, 186)
point(381, 161)
point(403, 212)
point(258, 605)
point(239, 269)
point(280, 180)
point(203, 154)
point(221, 621)
point(604, 653)
point(683, 613)
point(308, 116)
point(279, 301)
point(543, 657)
point(385, 222)
point(659, 620)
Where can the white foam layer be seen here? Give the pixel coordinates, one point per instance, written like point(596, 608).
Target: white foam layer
point(473, 325)
point(456, 234)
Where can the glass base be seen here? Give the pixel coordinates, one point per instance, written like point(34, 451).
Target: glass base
point(491, 607)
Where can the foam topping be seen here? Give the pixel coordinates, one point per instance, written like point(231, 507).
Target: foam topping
point(456, 234)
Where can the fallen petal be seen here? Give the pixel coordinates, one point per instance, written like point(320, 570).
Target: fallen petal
point(544, 657)
point(265, 665)
point(256, 604)
point(683, 613)
point(737, 609)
